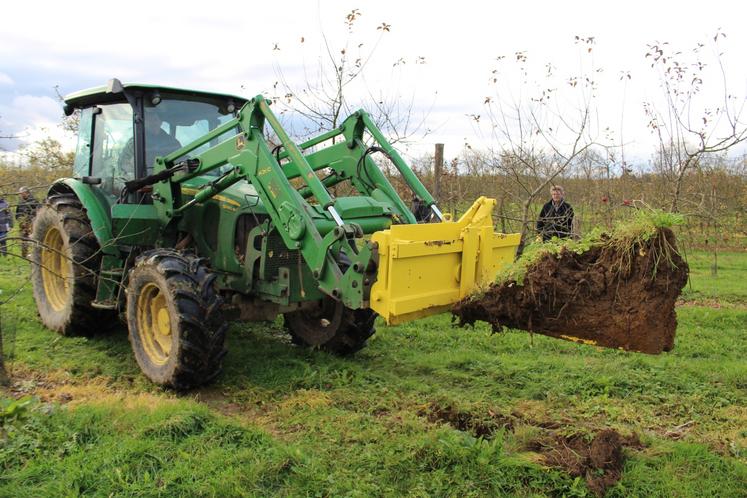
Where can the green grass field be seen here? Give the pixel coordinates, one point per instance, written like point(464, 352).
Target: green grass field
point(425, 410)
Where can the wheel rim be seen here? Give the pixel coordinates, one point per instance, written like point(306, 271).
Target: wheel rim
point(154, 323)
point(56, 269)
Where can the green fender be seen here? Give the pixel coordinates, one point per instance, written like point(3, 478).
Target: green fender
point(97, 206)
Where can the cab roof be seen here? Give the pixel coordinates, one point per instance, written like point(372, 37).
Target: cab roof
point(112, 91)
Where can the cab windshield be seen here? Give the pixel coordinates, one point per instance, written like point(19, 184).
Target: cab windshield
point(174, 123)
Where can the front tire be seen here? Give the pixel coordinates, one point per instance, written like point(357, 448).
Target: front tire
point(175, 325)
point(65, 261)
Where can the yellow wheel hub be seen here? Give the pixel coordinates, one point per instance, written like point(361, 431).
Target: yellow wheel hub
point(56, 270)
point(154, 323)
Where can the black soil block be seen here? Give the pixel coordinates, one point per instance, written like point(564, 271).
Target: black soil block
point(614, 295)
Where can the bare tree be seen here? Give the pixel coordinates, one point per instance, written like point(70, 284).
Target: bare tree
point(692, 123)
point(542, 127)
point(335, 85)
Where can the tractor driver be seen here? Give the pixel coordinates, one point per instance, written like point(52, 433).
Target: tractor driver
point(157, 143)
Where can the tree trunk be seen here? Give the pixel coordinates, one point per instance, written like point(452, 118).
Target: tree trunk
point(678, 186)
point(524, 227)
point(438, 162)
point(502, 213)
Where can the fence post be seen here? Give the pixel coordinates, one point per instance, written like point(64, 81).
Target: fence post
point(438, 163)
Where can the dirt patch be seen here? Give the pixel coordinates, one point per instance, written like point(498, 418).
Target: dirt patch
point(599, 460)
point(54, 386)
point(60, 387)
point(479, 425)
point(612, 295)
point(485, 422)
point(596, 455)
point(216, 399)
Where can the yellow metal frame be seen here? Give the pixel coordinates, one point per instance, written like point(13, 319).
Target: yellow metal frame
point(424, 269)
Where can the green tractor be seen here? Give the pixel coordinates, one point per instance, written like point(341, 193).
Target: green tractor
point(183, 216)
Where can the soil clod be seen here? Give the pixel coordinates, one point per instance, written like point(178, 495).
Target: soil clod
point(613, 295)
point(599, 461)
point(596, 455)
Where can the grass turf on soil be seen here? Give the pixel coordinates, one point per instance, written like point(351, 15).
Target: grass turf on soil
point(282, 420)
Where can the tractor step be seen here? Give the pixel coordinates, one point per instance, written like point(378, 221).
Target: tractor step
point(109, 278)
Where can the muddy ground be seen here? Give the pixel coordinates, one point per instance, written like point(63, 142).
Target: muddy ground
point(595, 455)
point(614, 295)
point(599, 461)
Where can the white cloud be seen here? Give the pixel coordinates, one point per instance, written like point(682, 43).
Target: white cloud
point(225, 48)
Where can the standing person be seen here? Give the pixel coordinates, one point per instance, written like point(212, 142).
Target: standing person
point(6, 223)
point(25, 213)
point(420, 210)
point(556, 217)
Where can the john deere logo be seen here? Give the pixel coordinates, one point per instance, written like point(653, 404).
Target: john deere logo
point(240, 141)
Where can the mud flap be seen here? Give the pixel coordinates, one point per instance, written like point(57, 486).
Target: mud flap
point(424, 269)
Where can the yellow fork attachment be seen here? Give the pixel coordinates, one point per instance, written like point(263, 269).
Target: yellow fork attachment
point(426, 268)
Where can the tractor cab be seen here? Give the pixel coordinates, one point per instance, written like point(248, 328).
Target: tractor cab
point(124, 127)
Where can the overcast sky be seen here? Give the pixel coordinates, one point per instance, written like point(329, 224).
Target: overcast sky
point(241, 47)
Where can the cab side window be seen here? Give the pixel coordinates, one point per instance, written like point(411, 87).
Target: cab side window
point(113, 147)
point(82, 162)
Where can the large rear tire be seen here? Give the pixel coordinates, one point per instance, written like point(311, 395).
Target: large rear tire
point(331, 327)
point(175, 324)
point(65, 261)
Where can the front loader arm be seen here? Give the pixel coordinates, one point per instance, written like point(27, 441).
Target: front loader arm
point(292, 216)
point(402, 272)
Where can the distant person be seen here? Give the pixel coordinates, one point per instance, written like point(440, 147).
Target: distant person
point(25, 212)
point(420, 209)
point(556, 217)
point(6, 223)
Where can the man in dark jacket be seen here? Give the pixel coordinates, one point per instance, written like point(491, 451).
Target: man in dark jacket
point(25, 212)
point(421, 211)
point(556, 217)
point(6, 223)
